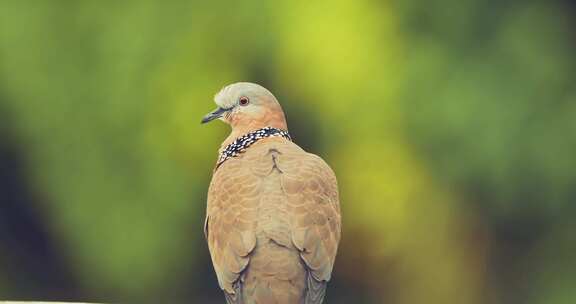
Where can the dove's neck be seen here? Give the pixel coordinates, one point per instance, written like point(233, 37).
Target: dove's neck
point(274, 119)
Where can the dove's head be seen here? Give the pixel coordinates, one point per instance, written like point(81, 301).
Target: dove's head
point(247, 106)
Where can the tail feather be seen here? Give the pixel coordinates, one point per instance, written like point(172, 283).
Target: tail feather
point(236, 297)
point(315, 290)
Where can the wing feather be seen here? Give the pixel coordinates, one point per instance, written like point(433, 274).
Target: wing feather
point(229, 235)
point(313, 193)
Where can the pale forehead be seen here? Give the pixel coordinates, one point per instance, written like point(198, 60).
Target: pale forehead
point(229, 94)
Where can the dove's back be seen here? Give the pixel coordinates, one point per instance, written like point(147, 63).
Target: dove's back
point(273, 224)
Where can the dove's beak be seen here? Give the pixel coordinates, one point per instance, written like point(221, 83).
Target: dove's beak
point(214, 115)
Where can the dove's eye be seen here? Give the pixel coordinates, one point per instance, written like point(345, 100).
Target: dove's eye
point(244, 101)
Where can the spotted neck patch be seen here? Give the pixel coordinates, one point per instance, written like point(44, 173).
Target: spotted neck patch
point(243, 142)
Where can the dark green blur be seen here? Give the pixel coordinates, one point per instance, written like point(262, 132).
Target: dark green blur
point(451, 126)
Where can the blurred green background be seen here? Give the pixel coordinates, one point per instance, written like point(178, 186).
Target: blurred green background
point(451, 126)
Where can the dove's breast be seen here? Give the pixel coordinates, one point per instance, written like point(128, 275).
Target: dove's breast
point(258, 202)
point(264, 222)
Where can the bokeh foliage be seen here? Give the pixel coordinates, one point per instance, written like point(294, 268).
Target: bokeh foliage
point(450, 125)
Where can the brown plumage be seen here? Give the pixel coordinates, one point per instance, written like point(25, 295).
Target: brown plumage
point(273, 215)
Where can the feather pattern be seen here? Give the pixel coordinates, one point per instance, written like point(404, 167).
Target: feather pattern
point(273, 224)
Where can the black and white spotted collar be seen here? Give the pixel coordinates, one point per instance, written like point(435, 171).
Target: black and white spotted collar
point(243, 142)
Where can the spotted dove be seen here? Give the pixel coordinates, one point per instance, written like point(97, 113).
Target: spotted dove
point(273, 215)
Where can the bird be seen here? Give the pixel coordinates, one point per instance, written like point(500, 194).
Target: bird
point(273, 221)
